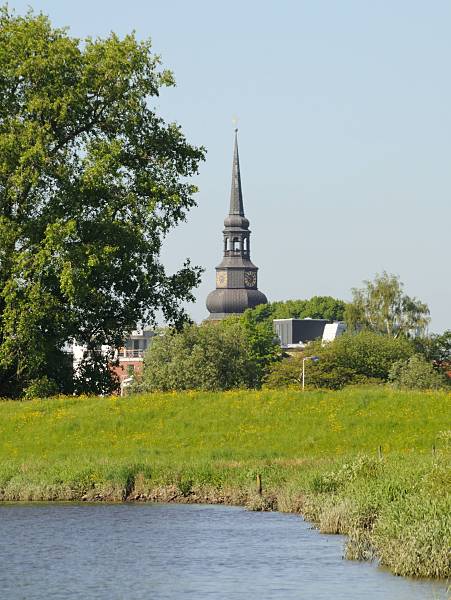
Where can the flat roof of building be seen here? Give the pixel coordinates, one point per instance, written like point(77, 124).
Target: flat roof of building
point(296, 319)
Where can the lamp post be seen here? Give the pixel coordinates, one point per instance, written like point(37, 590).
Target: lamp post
point(313, 359)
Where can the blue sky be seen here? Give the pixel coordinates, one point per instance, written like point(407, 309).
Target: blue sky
point(344, 111)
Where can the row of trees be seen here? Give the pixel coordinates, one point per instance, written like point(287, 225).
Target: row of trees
point(361, 358)
point(380, 305)
point(386, 341)
point(237, 352)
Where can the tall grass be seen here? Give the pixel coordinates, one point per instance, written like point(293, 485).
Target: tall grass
point(317, 452)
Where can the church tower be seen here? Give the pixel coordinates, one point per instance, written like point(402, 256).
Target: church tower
point(236, 276)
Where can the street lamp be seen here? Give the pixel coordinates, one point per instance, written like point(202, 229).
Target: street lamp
point(313, 359)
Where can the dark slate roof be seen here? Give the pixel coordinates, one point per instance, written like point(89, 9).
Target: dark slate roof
point(233, 301)
point(237, 262)
point(236, 195)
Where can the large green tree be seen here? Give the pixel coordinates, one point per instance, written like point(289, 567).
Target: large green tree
point(91, 181)
point(213, 356)
point(383, 307)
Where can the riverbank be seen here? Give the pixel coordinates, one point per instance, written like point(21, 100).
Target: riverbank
point(371, 463)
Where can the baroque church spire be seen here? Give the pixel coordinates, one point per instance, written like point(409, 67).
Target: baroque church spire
point(236, 276)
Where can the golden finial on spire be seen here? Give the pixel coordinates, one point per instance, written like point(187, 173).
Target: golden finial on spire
point(235, 122)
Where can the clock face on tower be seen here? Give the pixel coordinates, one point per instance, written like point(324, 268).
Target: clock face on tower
point(221, 279)
point(250, 279)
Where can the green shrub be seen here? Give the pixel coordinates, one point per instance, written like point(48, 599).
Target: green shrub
point(368, 354)
point(364, 467)
point(41, 388)
point(362, 358)
point(214, 356)
point(435, 347)
point(185, 485)
point(416, 373)
point(323, 483)
point(284, 374)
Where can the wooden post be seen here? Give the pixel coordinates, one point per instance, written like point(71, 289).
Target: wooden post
point(259, 484)
point(433, 449)
point(379, 452)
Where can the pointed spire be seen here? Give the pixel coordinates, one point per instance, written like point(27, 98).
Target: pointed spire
point(236, 195)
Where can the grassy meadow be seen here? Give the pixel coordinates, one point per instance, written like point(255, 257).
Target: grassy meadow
point(369, 462)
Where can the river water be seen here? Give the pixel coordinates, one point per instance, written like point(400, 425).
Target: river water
point(169, 552)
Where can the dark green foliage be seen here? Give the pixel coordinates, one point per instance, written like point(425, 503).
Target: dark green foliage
point(94, 375)
point(213, 356)
point(91, 181)
point(284, 374)
point(366, 353)
point(288, 373)
point(350, 359)
point(41, 388)
point(318, 307)
point(263, 346)
point(331, 375)
point(436, 347)
point(417, 373)
point(184, 485)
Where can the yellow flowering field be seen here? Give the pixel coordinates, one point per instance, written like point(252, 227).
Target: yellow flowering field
point(238, 425)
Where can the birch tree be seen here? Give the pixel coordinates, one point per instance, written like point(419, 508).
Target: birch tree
point(383, 307)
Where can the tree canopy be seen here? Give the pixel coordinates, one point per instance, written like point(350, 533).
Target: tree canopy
point(383, 307)
point(436, 347)
point(363, 357)
point(317, 307)
point(213, 356)
point(91, 181)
